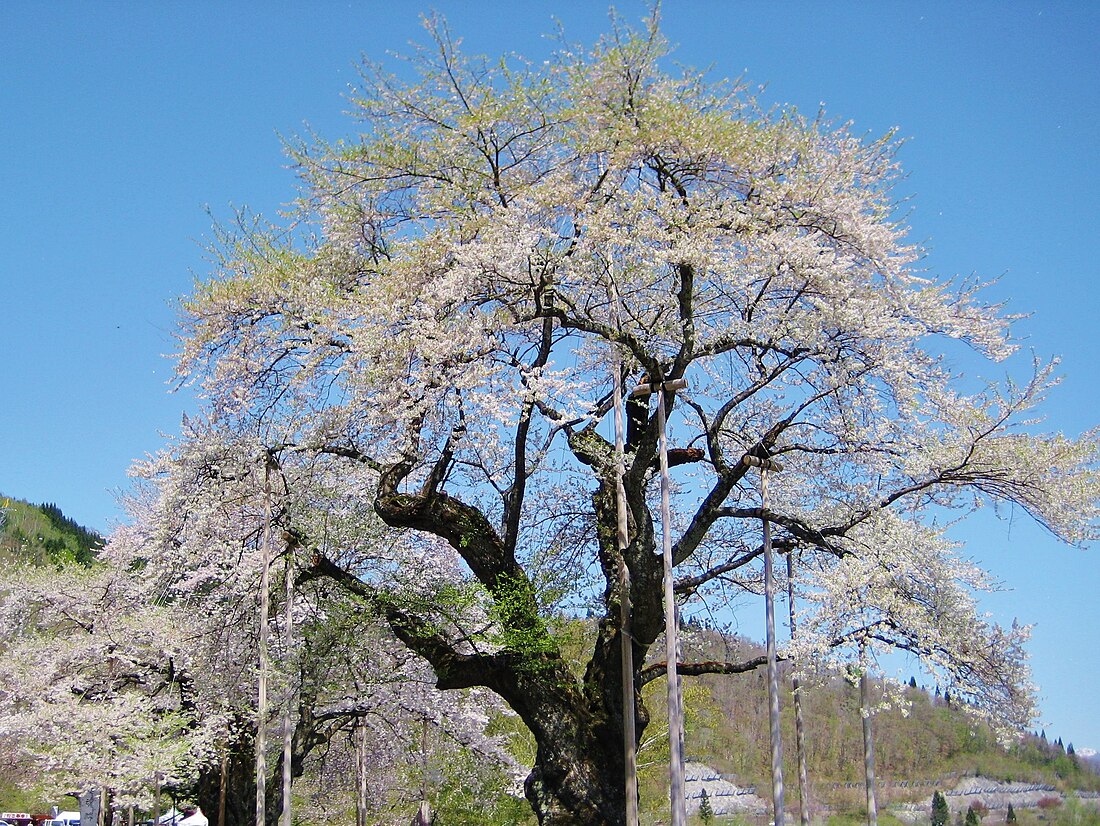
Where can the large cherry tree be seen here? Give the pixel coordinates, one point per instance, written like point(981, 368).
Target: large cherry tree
point(435, 329)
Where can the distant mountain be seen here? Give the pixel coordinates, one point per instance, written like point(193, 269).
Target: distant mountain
point(1089, 758)
point(42, 533)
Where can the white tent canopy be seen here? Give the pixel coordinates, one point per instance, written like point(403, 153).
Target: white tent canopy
point(196, 818)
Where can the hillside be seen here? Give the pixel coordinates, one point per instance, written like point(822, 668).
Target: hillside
point(42, 533)
point(923, 740)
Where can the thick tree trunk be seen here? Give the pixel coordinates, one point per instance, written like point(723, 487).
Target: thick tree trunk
point(578, 783)
point(232, 783)
point(579, 774)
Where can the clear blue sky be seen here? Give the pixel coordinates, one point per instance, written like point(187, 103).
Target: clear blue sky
point(120, 122)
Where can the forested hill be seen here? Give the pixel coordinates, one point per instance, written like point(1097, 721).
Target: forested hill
point(42, 533)
point(922, 737)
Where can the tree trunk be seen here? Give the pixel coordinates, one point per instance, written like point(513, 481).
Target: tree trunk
point(237, 773)
point(579, 774)
point(574, 784)
point(222, 789)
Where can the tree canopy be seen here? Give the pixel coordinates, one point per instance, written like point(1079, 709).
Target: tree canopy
point(424, 352)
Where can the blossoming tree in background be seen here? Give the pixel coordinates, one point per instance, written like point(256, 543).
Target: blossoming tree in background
point(205, 510)
point(93, 693)
point(138, 672)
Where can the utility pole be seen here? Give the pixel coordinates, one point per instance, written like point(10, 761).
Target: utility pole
point(769, 611)
point(424, 813)
point(672, 637)
point(361, 798)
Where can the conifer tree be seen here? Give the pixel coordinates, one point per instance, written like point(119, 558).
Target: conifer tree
point(1010, 816)
point(940, 812)
point(972, 818)
point(706, 811)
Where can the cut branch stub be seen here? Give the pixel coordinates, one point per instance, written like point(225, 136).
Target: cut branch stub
point(763, 464)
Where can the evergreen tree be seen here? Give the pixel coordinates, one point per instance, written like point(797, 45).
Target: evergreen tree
point(940, 812)
point(706, 812)
point(1010, 817)
point(972, 818)
point(912, 682)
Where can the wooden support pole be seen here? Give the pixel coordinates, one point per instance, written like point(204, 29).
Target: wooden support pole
point(265, 656)
point(625, 623)
point(796, 697)
point(672, 644)
point(773, 665)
